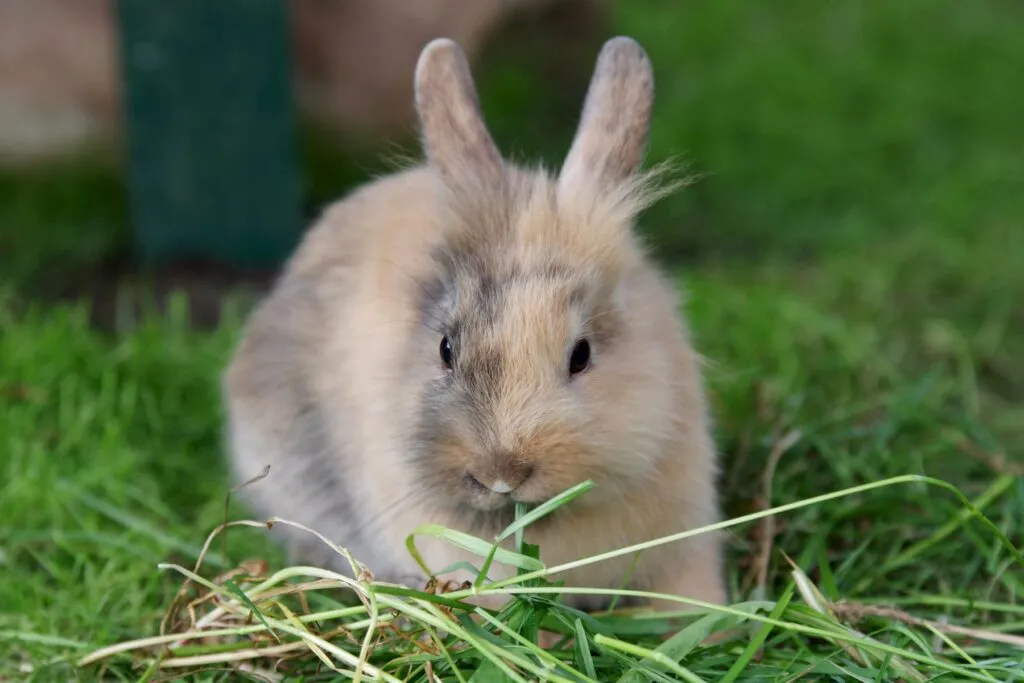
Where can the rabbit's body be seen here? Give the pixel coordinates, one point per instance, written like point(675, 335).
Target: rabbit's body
point(422, 359)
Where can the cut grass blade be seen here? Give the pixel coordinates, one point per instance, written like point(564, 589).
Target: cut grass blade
point(472, 544)
point(736, 521)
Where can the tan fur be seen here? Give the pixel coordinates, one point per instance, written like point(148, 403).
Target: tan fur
point(345, 335)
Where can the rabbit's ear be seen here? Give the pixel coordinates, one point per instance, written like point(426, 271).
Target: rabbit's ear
point(455, 137)
point(612, 136)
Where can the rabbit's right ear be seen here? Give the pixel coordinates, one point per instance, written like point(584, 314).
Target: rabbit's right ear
point(612, 136)
point(455, 137)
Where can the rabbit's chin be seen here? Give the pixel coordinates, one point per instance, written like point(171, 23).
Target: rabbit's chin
point(475, 497)
point(490, 501)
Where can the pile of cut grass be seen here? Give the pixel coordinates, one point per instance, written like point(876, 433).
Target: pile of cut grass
point(287, 625)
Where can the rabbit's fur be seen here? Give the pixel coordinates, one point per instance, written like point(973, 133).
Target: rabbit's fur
point(340, 386)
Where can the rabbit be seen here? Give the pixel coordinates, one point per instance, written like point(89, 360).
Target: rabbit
point(467, 333)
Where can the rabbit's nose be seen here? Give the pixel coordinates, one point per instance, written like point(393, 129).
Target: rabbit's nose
point(504, 475)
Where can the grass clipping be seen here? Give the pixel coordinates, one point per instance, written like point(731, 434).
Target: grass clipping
point(294, 622)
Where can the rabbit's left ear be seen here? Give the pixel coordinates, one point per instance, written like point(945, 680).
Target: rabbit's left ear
point(612, 136)
point(455, 137)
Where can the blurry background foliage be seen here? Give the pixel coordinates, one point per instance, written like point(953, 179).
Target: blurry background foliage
point(815, 128)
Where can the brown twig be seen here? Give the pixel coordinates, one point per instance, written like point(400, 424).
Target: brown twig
point(174, 606)
point(227, 504)
point(857, 612)
point(767, 532)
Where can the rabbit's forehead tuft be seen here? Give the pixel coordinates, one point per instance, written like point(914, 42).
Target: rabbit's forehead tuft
point(530, 296)
point(491, 296)
point(542, 303)
point(500, 320)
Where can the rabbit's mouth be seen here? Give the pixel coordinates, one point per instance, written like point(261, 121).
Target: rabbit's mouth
point(494, 495)
point(498, 493)
point(498, 481)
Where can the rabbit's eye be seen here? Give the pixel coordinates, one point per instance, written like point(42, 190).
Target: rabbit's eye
point(446, 352)
point(580, 358)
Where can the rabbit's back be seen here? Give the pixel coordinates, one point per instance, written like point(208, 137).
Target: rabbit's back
point(316, 363)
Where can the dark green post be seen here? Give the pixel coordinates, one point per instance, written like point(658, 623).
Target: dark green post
point(209, 111)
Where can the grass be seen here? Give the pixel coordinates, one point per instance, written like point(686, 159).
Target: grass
point(852, 260)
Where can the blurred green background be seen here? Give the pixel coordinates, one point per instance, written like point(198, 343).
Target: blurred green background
point(817, 128)
point(853, 254)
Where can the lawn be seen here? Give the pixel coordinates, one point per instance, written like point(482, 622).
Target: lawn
point(853, 257)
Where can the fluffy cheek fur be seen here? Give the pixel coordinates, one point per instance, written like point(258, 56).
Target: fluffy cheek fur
point(629, 402)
